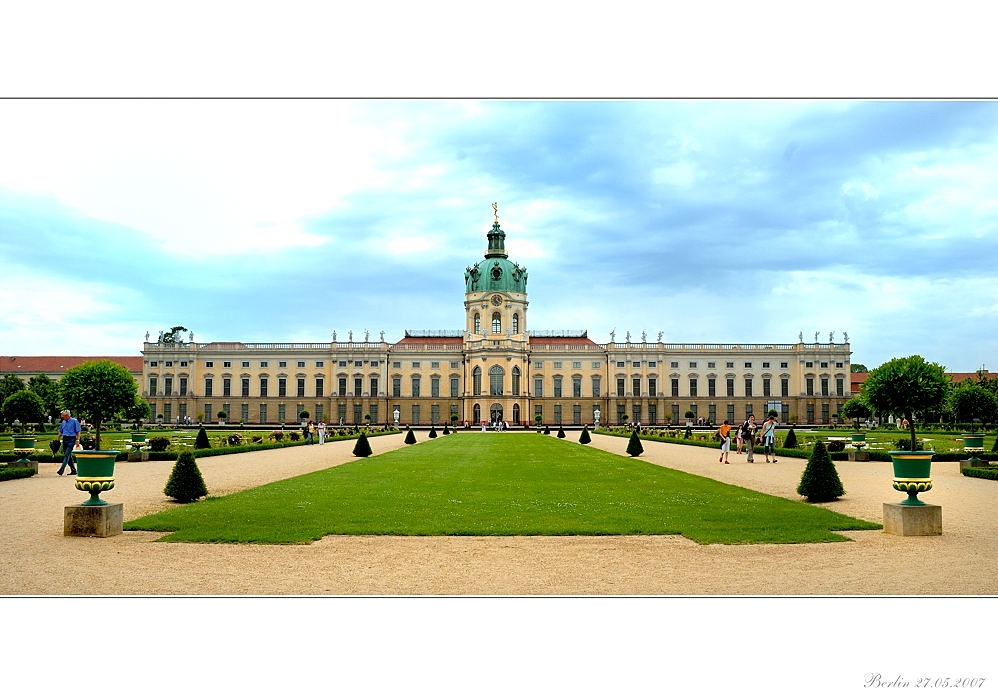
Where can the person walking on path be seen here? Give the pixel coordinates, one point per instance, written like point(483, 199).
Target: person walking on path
point(725, 433)
point(322, 432)
point(747, 432)
point(769, 437)
point(69, 431)
point(739, 440)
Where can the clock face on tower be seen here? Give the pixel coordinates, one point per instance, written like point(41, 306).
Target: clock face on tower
point(496, 299)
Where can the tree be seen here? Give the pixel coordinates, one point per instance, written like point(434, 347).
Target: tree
point(858, 367)
point(48, 390)
point(410, 437)
point(820, 481)
point(634, 447)
point(173, 335)
point(906, 386)
point(303, 415)
point(584, 438)
point(362, 447)
point(9, 385)
point(857, 409)
point(201, 441)
point(25, 406)
point(98, 390)
point(186, 484)
point(139, 410)
point(221, 415)
point(970, 403)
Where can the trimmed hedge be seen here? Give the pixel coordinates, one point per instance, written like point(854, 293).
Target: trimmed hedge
point(201, 453)
point(8, 473)
point(987, 473)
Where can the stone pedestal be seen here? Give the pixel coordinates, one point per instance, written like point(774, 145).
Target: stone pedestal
point(859, 456)
point(138, 456)
point(905, 520)
point(102, 521)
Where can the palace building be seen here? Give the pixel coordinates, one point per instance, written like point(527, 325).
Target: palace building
point(495, 368)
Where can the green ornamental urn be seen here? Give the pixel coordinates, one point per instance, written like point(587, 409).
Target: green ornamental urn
point(858, 439)
point(973, 444)
point(911, 474)
point(138, 438)
point(24, 446)
point(95, 474)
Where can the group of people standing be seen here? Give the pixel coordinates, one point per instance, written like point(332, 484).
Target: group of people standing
point(746, 436)
point(312, 430)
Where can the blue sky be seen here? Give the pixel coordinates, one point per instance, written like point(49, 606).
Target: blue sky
point(726, 220)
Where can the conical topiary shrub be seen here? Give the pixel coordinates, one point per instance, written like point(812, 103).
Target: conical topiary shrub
point(202, 439)
point(688, 432)
point(791, 441)
point(634, 447)
point(433, 432)
point(362, 447)
point(410, 437)
point(185, 483)
point(446, 431)
point(561, 432)
point(820, 481)
point(547, 430)
point(584, 438)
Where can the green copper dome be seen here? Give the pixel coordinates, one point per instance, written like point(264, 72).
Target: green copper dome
point(496, 273)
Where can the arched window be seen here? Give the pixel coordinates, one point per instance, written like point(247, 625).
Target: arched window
point(496, 374)
point(476, 382)
point(496, 323)
point(478, 324)
point(516, 413)
point(516, 323)
point(516, 383)
point(477, 413)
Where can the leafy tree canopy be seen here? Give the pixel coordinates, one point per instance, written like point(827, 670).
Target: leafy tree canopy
point(858, 367)
point(24, 406)
point(856, 409)
point(973, 402)
point(173, 335)
point(906, 386)
point(9, 385)
point(48, 390)
point(98, 390)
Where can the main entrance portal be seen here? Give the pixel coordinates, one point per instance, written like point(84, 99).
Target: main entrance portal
point(495, 412)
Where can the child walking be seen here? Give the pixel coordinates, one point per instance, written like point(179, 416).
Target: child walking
point(724, 431)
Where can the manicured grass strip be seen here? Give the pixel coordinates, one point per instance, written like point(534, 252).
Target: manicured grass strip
point(499, 484)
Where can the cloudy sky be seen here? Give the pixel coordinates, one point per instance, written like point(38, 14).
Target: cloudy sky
point(711, 221)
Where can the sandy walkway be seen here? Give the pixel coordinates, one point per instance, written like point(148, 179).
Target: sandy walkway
point(38, 559)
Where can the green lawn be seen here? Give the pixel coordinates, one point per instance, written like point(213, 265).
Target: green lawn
point(515, 484)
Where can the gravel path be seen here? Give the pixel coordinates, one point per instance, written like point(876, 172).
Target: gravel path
point(39, 560)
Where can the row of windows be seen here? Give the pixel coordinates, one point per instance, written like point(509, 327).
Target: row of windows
point(263, 386)
point(266, 363)
point(497, 323)
point(433, 365)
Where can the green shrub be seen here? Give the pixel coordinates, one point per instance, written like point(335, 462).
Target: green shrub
point(547, 430)
point(362, 447)
point(689, 431)
point(836, 445)
point(158, 443)
point(634, 447)
point(994, 447)
point(410, 437)
point(186, 483)
point(820, 481)
point(561, 432)
point(446, 431)
point(201, 442)
point(791, 441)
point(294, 435)
point(584, 438)
point(433, 432)
point(8, 473)
point(990, 473)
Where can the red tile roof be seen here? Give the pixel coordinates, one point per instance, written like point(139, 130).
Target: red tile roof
point(857, 378)
point(49, 364)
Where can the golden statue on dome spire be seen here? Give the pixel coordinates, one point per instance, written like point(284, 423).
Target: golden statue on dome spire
point(495, 211)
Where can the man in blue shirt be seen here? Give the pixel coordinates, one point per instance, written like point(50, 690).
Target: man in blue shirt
point(69, 430)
